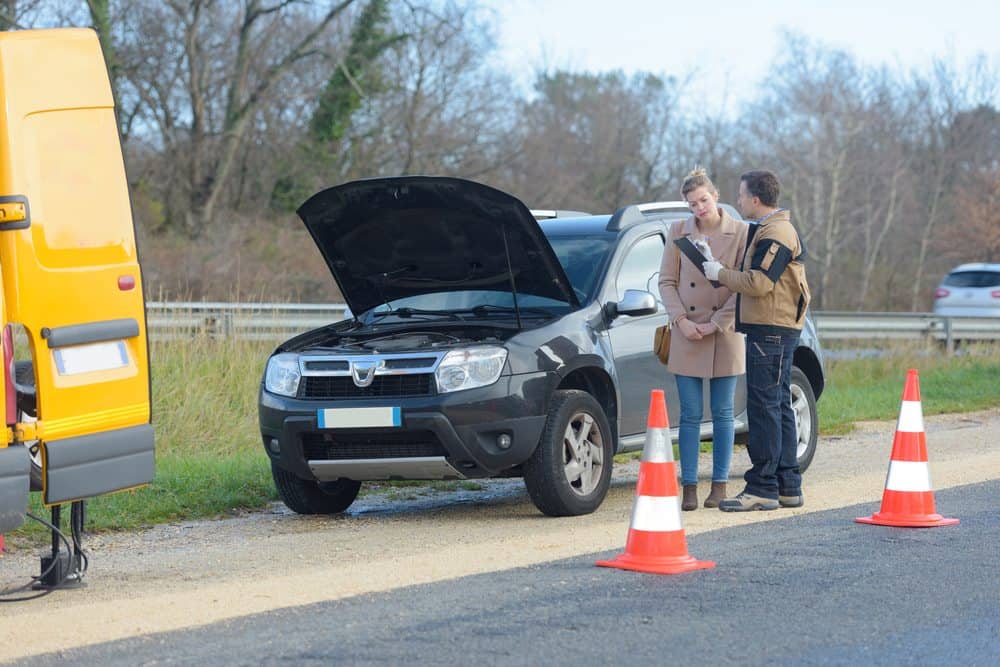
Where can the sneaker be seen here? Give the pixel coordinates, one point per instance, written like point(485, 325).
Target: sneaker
point(791, 501)
point(746, 502)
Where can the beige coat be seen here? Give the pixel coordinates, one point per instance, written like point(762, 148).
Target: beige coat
point(686, 292)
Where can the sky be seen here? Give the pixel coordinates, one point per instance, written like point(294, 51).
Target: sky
point(731, 43)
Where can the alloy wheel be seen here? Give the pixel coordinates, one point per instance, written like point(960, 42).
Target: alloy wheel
point(583, 453)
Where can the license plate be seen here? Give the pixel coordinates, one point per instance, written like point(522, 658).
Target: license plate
point(89, 358)
point(359, 417)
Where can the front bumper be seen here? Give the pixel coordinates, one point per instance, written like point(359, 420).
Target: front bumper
point(446, 436)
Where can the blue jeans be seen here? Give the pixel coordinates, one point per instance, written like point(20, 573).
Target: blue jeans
point(721, 390)
point(773, 439)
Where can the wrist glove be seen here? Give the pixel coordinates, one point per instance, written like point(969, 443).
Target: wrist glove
point(711, 270)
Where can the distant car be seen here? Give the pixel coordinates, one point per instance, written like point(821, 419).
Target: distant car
point(969, 290)
point(486, 341)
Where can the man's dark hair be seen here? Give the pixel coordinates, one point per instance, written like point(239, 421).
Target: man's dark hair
point(764, 185)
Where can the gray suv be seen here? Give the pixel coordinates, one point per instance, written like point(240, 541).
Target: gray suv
point(483, 343)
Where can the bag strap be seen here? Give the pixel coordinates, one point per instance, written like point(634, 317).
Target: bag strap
point(694, 255)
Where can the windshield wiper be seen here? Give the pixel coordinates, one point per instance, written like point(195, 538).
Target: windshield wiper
point(407, 312)
point(486, 308)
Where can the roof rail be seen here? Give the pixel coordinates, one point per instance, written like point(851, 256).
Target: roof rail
point(663, 206)
point(548, 214)
point(652, 208)
point(624, 217)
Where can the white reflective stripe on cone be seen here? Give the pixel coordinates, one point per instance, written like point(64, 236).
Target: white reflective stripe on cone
point(908, 476)
point(911, 418)
point(656, 513)
point(657, 448)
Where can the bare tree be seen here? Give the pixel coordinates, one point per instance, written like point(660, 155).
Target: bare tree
point(594, 141)
point(809, 128)
point(977, 239)
point(204, 70)
point(946, 144)
point(16, 14)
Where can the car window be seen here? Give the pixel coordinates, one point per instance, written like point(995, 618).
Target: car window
point(973, 279)
point(641, 267)
point(582, 259)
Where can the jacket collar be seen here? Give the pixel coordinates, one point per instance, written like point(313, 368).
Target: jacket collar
point(781, 214)
point(726, 228)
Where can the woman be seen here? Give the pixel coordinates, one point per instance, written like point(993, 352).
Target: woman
point(704, 343)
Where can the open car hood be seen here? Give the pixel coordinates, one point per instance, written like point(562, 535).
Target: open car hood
point(389, 238)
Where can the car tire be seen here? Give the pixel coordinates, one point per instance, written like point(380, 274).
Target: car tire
point(569, 472)
point(806, 422)
point(306, 496)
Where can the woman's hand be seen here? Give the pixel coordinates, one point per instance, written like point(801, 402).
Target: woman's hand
point(707, 328)
point(689, 329)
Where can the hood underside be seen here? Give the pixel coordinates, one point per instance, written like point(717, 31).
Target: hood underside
point(391, 238)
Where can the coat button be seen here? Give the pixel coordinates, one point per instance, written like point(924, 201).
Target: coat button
point(692, 307)
point(692, 284)
point(715, 307)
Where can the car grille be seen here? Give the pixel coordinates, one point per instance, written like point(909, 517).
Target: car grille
point(344, 446)
point(382, 386)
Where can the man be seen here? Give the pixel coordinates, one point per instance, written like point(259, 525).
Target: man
point(772, 295)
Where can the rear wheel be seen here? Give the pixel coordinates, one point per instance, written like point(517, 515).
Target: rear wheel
point(570, 471)
point(806, 423)
point(306, 496)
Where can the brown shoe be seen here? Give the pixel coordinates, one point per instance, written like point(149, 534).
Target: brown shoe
point(690, 501)
point(717, 495)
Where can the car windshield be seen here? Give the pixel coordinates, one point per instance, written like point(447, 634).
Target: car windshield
point(582, 259)
point(973, 279)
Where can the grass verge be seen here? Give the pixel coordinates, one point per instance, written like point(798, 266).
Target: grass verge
point(210, 461)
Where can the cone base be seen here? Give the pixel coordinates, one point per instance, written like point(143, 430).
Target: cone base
point(903, 521)
point(657, 565)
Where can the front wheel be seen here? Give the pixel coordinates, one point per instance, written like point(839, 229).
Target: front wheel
point(806, 422)
point(306, 496)
point(570, 471)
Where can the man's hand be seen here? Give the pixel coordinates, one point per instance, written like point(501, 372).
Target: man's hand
point(689, 329)
point(711, 270)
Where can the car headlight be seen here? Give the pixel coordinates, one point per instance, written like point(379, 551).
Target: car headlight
point(282, 375)
point(467, 369)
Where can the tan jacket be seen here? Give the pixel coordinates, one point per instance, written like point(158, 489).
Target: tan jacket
point(686, 292)
point(772, 287)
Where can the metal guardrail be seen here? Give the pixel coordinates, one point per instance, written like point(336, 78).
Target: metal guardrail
point(840, 325)
point(258, 321)
point(276, 321)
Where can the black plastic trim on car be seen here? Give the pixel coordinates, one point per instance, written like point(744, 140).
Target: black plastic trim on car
point(15, 480)
point(92, 332)
point(90, 465)
point(343, 446)
point(326, 387)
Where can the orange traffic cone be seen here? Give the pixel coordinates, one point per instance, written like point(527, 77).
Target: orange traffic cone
point(656, 540)
point(908, 499)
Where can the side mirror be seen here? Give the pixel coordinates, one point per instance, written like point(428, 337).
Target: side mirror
point(634, 302)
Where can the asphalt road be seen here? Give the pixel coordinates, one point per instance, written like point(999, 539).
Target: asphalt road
point(810, 589)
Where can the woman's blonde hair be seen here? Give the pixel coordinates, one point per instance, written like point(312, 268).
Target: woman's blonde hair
point(696, 179)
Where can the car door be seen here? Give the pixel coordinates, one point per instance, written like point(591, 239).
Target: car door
point(71, 276)
point(637, 267)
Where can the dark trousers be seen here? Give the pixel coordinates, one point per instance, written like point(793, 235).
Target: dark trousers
point(773, 438)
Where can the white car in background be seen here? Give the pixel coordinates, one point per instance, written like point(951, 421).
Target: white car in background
point(969, 290)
